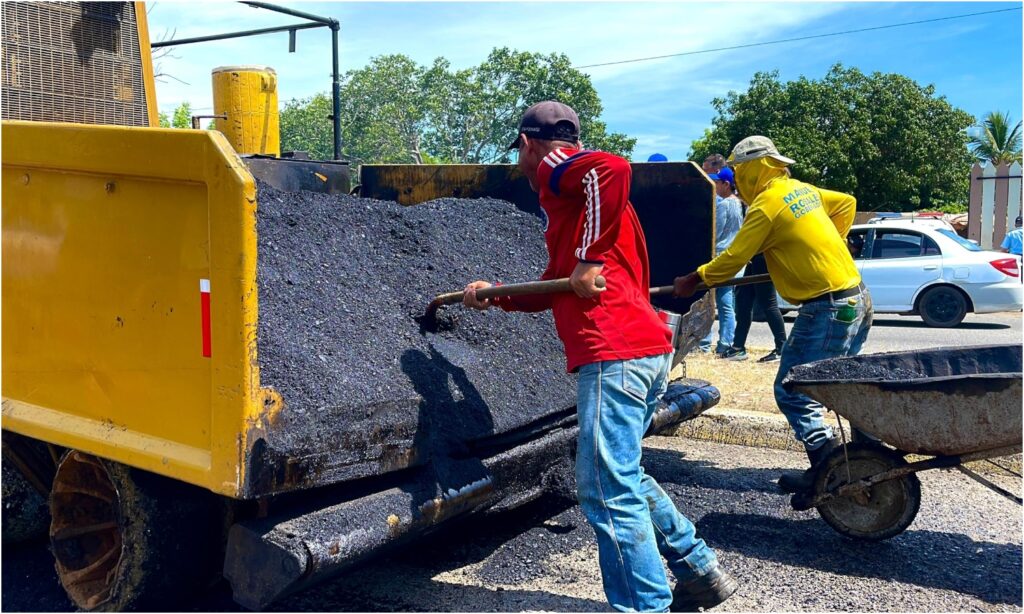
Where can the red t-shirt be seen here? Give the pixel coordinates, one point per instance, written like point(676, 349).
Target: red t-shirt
point(584, 196)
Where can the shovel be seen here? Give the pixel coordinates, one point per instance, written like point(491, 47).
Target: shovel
point(549, 286)
point(738, 281)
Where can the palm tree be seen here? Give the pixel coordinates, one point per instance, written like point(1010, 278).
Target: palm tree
point(997, 143)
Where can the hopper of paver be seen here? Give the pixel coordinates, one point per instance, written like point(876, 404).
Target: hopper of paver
point(157, 318)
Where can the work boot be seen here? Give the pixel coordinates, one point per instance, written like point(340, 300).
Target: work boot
point(801, 482)
point(703, 592)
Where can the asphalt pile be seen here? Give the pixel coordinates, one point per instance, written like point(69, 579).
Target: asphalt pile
point(342, 282)
point(846, 370)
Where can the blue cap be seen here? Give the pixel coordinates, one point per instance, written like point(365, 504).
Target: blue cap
point(724, 174)
point(657, 158)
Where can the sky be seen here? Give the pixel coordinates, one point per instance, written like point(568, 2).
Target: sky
point(975, 62)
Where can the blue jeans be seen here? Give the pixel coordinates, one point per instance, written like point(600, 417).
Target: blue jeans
point(724, 303)
point(632, 516)
point(818, 334)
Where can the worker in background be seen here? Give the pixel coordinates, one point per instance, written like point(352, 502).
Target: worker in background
point(728, 217)
point(621, 350)
point(764, 297)
point(801, 229)
point(713, 163)
point(1013, 243)
point(657, 157)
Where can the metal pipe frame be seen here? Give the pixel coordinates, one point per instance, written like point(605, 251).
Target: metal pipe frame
point(327, 21)
point(243, 33)
point(318, 22)
point(936, 462)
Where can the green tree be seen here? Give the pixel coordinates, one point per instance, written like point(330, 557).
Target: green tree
point(306, 126)
point(475, 112)
point(165, 121)
point(892, 143)
point(382, 111)
point(997, 142)
point(182, 116)
point(395, 111)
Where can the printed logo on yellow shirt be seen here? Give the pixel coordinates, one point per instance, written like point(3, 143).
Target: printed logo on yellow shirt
point(802, 201)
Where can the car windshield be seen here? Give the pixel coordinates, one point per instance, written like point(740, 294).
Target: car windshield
point(964, 243)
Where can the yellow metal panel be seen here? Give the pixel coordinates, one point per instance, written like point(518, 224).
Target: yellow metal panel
point(411, 184)
point(248, 96)
point(146, 55)
point(107, 232)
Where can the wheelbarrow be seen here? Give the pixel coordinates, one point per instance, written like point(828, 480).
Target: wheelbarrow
point(950, 405)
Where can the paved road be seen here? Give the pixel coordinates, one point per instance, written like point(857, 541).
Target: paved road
point(892, 332)
point(963, 553)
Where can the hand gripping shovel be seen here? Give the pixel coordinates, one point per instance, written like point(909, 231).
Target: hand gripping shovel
point(428, 321)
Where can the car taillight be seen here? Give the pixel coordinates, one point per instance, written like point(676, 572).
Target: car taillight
point(1006, 266)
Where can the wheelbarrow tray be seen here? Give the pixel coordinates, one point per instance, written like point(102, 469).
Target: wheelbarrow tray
point(944, 401)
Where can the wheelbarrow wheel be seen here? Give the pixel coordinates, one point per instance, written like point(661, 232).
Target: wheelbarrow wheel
point(885, 510)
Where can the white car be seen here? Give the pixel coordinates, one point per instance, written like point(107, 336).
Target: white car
point(917, 269)
point(911, 222)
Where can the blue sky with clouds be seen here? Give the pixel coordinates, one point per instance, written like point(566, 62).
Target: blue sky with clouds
point(974, 62)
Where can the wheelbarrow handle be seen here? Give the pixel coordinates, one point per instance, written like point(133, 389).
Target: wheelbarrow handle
point(738, 281)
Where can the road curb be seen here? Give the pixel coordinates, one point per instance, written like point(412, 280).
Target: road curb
point(739, 427)
point(771, 430)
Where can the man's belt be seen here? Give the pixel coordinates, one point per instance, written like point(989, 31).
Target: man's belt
point(838, 294)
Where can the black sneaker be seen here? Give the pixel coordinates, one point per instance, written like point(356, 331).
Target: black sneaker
point(772, 356)
point(704, 592)
point(734, 354)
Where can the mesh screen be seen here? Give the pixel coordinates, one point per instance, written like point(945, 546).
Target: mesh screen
point(72, 62)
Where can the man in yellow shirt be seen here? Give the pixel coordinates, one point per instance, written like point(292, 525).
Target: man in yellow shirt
point(801, 229)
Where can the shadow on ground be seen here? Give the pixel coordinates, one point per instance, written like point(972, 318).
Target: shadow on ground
point(930, 559)
point(672, 467)
point(913, 322)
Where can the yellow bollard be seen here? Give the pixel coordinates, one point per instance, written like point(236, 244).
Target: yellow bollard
point(248, 96)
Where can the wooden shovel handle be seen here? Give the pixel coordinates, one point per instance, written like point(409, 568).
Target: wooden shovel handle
point(738, 281)
point(549, 286)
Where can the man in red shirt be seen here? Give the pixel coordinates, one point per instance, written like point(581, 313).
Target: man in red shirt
point(617, 343)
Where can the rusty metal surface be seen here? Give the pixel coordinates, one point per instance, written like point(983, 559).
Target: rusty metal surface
point(695, 324)
point(948, 418)
point(293, 174)
point(945, 401)
point(85, 533)
point(411, 184)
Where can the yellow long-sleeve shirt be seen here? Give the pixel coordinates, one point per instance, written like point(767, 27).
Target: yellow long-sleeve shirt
point(800, 228)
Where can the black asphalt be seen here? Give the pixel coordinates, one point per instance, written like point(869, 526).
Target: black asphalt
point(342, 281)
point(963, 553)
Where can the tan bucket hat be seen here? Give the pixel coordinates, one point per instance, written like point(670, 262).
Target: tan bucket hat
point(754, 147)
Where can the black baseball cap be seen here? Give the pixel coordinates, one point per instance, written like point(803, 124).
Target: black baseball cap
point(549, 121)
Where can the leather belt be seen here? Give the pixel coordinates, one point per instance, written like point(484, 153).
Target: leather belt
point(838, 294)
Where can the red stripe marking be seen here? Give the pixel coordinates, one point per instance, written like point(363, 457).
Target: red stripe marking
point(205, 298)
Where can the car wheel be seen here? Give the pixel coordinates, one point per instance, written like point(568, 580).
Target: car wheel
point(942, 307)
